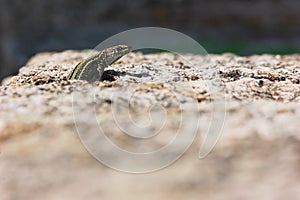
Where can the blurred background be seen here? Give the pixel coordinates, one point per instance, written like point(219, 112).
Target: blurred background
point(239, 26)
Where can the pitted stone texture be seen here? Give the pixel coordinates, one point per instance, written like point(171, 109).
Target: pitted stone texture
point(257, 156)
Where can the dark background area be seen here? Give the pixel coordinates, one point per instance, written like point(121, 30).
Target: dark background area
point(239, 26)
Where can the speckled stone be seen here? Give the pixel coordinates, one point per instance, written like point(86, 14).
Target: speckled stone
point(257, 156)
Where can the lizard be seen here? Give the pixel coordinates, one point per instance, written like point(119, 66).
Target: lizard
point(92, 68)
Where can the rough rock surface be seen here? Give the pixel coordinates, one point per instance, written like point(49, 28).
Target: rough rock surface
point(257, 156)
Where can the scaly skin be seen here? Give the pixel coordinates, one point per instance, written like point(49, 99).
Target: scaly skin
point(92, 68)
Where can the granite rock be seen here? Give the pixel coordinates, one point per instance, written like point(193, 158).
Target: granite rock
point(256, 157)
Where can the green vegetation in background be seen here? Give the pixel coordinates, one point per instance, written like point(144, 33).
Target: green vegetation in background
point(247, 48)
point(242, 48)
